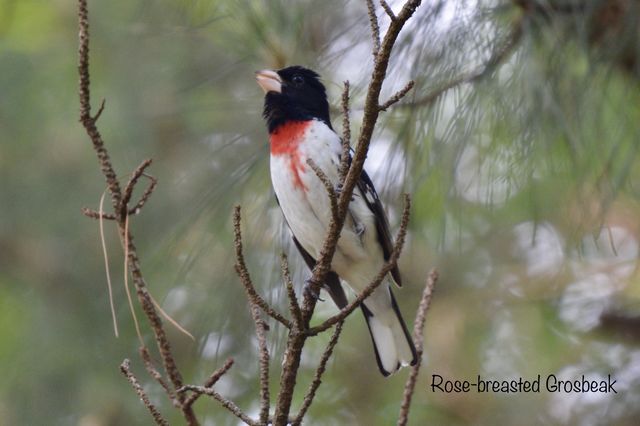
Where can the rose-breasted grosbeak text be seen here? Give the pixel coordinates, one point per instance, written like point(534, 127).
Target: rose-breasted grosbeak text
point(297, 115)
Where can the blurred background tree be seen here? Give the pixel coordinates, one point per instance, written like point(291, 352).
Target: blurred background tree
point(524, 174)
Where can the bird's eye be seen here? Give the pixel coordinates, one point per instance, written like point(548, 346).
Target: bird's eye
point(298, 80)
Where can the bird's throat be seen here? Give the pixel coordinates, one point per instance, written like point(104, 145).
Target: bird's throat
point(285, 138)
point(285, 141)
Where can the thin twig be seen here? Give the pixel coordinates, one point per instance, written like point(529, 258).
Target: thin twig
point(137, 173)
point(153, 372)
point(226, 403)
point(397, 96)
point(346, 134)
point(94, 214)
point(86, 119)
point(375, 28)
point(387, 9)
point(418, 340)
point(256, 303)
point(245, 278)
point(153, 182)
point(217, 375)
point(375, 283)
point(164, 347)
point(317, 378)
point(126, 281)
point(328, 186)
point(294, 307)
point(212, 380)
point(100, 109)
point(126, 371)
point(263, 362)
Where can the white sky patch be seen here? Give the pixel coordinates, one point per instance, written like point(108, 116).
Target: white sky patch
point(176, 299)
point(540, 246)
point(384, 164)
point(215, 345)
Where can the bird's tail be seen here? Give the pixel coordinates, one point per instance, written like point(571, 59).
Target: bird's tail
point(391, 339)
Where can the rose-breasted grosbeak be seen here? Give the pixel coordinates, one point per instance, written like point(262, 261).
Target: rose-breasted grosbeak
point(297, 115)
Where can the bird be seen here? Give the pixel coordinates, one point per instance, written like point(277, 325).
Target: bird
point(296, 111)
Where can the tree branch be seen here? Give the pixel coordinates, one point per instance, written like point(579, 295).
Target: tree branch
point(135, 176)
point(212, 380)
point(346, 134)
point(153, 372)
point(294, 307)
point(128, 190)
point(263, 362)
point(126, 371)
point(226, 403)
point(86, 119)
point(397, 96)
point(328, 186)
point(418, 339)
point(119, 206)
point(150, 312)
point(93, 214)
point(245, 278)
point(317, 378)
point(375, 28)
point(387, 9)
point(371, 113)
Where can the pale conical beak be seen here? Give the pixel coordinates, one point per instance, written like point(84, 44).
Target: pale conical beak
point(269, 80)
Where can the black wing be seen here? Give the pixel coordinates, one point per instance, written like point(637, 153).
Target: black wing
point(382, 223)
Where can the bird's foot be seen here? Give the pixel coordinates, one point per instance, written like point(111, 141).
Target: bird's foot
point(308, 289)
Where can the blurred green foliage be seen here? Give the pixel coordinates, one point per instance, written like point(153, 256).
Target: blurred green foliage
point(525, 189)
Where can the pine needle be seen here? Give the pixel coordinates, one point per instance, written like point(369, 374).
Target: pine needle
point(171, 320)
point(106, 264)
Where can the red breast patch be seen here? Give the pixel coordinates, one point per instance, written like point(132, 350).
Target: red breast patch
point(285, 141)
